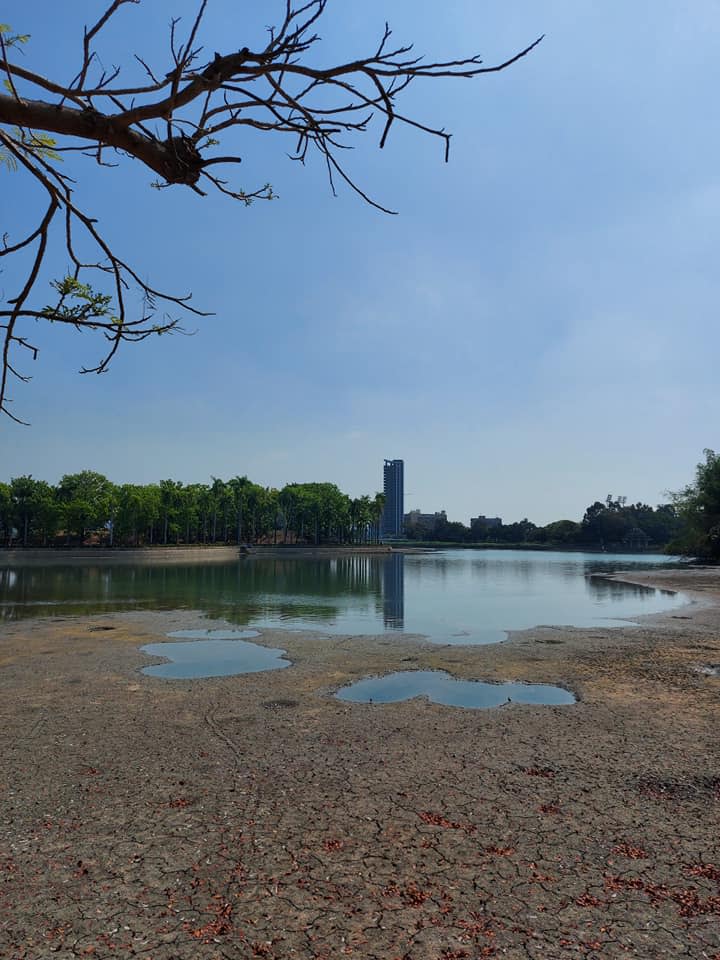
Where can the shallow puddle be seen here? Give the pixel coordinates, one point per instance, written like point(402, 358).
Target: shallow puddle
point(212, 653)
point(440, 687)
point(213, 634)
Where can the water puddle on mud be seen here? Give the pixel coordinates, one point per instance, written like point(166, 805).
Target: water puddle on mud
point(212, 653)
point(440, 687)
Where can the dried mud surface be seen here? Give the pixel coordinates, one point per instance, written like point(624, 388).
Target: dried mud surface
point(256, 816)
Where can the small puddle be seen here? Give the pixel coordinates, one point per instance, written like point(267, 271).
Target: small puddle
point(212, 653)
point(440, 687)
point(213, 634)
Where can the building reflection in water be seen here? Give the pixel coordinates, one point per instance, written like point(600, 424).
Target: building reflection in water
point(393, 591)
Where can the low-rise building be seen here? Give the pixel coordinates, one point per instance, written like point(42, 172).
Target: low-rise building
point(486, 521)
point(419, 522)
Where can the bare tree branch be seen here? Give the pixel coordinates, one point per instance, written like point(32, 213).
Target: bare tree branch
point(275, 89)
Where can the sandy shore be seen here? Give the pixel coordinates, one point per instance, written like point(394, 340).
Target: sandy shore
point(256, 816)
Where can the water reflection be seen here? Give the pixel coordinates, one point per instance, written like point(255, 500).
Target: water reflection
point(249, 589)
point(602, 589)
point(462, 596)
point(217, 657)
point(393, 592)
point(441, 687)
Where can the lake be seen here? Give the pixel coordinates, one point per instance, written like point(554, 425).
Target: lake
point(450, 596)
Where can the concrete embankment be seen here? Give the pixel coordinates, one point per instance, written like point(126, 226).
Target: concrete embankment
point(166, 555)
point(92, 555)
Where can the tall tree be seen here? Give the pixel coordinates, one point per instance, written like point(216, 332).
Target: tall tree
point(86, 497)
point(6, 523)
point(21, 495)
point(699, 505)
point(190, 499)
point(238, 490)
point(170, 505)
point(218, 497)
point(378, 505)
point(137, 509)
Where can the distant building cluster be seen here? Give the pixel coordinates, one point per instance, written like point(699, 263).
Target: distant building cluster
point(395, 522)
point(424, 522)
point(486, 523)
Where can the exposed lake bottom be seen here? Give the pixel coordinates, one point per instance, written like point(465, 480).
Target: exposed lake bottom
point(201, 654)
point(256, 812)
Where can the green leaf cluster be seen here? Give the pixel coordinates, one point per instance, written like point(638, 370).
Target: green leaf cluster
point(79, 303)
point(41, 144)
point(699, 506)
point(11, 39)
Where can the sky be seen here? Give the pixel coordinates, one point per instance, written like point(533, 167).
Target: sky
point(535, 329)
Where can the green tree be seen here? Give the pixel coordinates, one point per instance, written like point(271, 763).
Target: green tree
point(376, 510)
point(22, 490)
point(607, 523)
point(361, 519)
point(86, 498)
point(47, 512)
point(522, 531)
point(662, 524)
point(218, 507)
point(699, 506)
point(287, 502)
point(564, 532)
point(250, 500)
point(450, 530)
point(239, 496)
point(137, 509)
point(170, 508)
point(190, 510)
point(270, 518)
point(6, 523)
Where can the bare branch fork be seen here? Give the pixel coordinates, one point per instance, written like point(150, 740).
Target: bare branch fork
point(194, 104)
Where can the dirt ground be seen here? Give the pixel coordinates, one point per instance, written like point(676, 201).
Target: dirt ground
point(257, 816)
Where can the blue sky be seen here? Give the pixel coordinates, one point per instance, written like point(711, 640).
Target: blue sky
point(535, 329)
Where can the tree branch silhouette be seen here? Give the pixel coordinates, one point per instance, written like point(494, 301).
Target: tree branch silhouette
point(171, 123)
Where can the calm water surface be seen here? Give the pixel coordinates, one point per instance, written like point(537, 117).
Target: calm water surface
point(440, 687)
point(211, 653)
point(452, 596)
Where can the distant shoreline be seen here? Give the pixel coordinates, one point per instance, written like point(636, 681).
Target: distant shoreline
point(211, 553)
point(224, 553)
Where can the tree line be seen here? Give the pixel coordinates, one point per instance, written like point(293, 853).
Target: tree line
point(689, 524)
point(88, 508)
point(612, 524)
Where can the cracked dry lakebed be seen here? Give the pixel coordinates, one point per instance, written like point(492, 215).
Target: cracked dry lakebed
point(259, 816)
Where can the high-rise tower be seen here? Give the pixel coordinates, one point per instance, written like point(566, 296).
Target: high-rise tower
point(391, 524)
